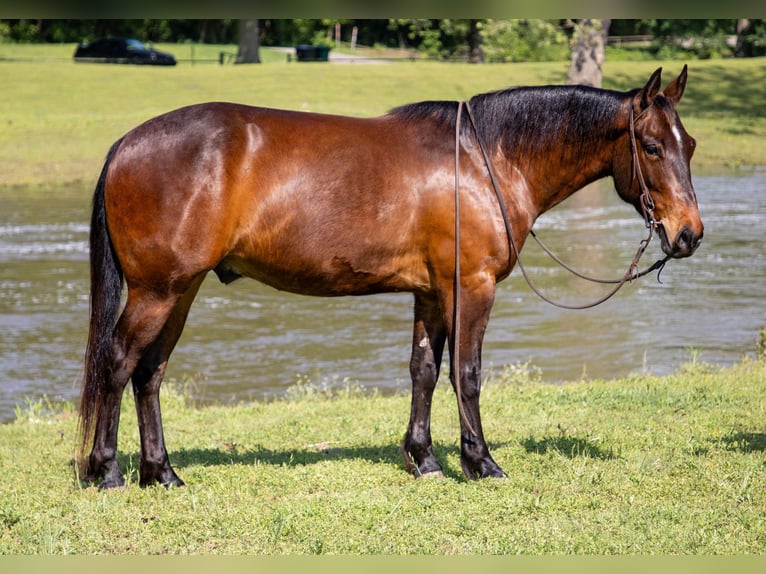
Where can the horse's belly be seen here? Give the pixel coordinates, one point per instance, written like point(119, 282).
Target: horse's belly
point(333, 276)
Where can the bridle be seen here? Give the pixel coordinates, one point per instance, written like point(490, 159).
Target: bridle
point(647, 210)
point(645, 200)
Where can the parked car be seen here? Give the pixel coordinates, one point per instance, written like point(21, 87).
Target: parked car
point(121, 51)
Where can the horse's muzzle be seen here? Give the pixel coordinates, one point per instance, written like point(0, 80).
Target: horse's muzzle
point(685, 243)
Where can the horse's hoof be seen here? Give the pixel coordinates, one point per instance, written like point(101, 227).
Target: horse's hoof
point(109, 484)
point(168, 482)
point(496, 473)
point(415, 471)
point(177, 483)
point(88, 478)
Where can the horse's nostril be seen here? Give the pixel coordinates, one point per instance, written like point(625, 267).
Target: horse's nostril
point(686, 241)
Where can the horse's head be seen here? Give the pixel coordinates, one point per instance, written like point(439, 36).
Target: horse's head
point(658, 150)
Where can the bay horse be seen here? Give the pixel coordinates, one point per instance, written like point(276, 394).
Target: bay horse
point(330, 205)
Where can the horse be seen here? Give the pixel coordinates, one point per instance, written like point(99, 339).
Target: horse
point(330, 205)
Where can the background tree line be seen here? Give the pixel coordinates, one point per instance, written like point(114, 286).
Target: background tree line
point(471, 40)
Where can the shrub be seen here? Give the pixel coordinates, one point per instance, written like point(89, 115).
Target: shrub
point(523, 41)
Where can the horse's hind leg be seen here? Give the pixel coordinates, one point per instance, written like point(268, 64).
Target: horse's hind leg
point(141, 321)
point(428, 339)
point(147, 378)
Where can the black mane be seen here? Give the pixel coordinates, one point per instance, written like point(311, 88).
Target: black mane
point(440, 111)
point(528, 120)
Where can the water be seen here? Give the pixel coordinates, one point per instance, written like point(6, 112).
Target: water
point(247, 341)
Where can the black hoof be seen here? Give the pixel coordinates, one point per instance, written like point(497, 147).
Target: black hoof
point(175, 483)
point(429, 468)
point(110, 472)
point(482, 470)
point(112, 482)
point(159, 473)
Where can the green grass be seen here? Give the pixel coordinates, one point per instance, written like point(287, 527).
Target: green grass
point(647, 465)
point(59, 118)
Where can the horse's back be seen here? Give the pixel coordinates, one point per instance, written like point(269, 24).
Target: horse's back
point(305, 202)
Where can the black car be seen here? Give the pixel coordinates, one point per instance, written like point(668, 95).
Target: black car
point(121, 51)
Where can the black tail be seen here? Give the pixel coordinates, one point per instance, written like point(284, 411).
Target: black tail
point(105, 291)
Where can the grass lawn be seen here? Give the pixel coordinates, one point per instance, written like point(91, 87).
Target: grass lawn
point(59, 118)
point(671, 465)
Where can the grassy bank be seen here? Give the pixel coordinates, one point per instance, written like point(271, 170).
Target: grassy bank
point(59, 118)
point(671, 465)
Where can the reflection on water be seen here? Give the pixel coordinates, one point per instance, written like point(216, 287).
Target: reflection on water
point(247, 341)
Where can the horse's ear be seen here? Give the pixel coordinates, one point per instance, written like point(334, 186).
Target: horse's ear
point(647, 93)
point(676, 88)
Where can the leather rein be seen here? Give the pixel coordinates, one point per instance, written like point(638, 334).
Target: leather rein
point(647, 209)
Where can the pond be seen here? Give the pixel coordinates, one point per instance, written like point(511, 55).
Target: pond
point(247, 341)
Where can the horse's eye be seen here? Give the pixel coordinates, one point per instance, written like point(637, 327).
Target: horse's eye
point(652, 149)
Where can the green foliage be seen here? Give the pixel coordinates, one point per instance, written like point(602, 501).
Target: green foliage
point(519, 374)
point(148, 30)
point(524, 41)
point(36, 410)
point(623, 54)
point(19, 31)
point(702, 38)
point(703, 48)
point(503, 40)
point(428, 36)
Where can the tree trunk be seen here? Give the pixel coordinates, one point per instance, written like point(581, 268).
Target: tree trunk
point(588, 54)
point(476, 56)
point(744, 47)
point(249, 42)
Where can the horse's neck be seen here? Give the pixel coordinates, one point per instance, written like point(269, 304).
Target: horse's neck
point(561, 138)
point(552, 179)
point(552, 141)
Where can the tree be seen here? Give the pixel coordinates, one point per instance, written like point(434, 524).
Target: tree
point(475, 55)
point(750, 38)
point(524, 41)
point(587, 57)
point(249, 40)
point(441, 39)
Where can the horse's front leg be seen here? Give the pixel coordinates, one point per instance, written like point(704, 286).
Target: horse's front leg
point(428, 339)
point(476, 304)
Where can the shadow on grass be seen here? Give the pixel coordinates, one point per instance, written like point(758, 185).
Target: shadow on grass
point(236, 455)
point(567, 446)
point(745, 442)
point(387, 454)
point(390, 454)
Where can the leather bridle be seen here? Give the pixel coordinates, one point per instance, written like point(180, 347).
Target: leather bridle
point(645, 200)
